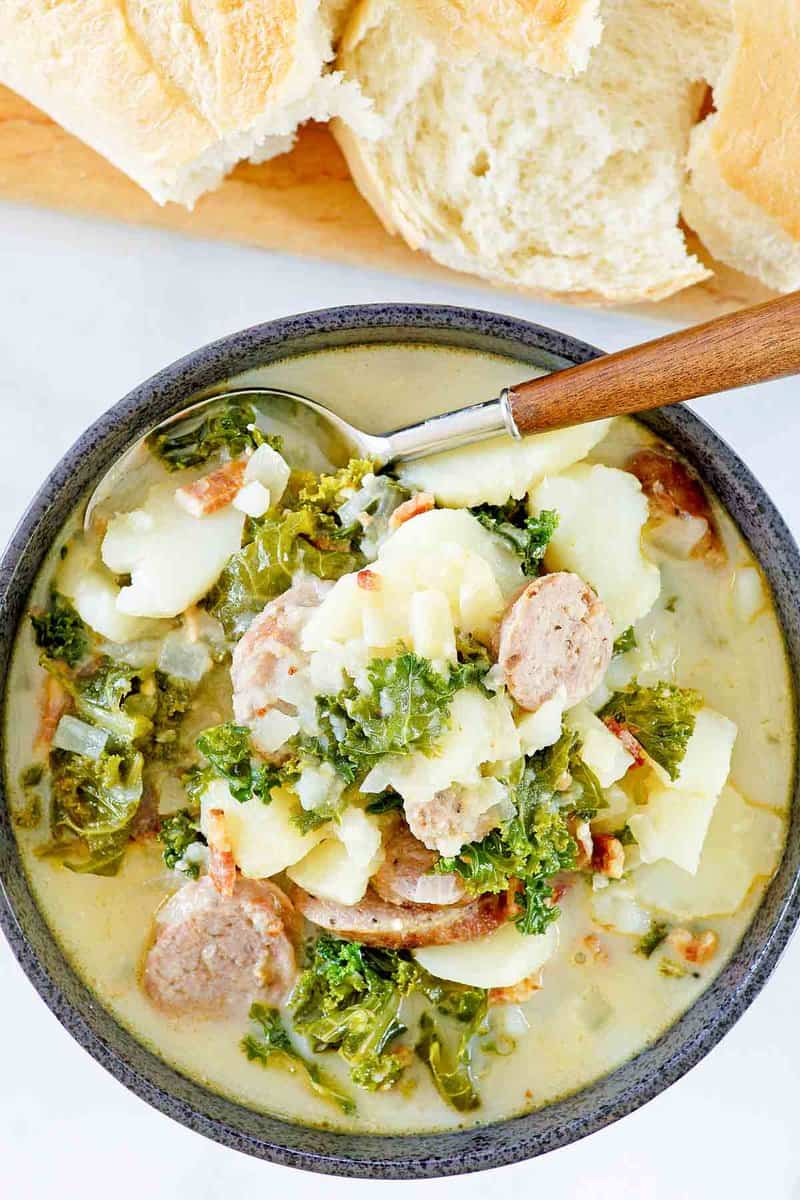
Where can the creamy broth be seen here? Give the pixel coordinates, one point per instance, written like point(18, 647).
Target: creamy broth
point(594, 1011)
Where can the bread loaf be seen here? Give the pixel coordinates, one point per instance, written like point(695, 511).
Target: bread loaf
point(564, 186)
point(743, 191)
point(173, 93)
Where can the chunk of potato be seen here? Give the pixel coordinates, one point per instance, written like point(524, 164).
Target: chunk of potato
point(91, 587)
point(707, 760)
point(431, 625)
point(263, 837)
point(172, 557)
point(501, 959)
point(601, 513)
point(541, 728)
point(603, 753)
point(340, 867)
point(673, 825)
point(744, 844)
point(421, 540)
point(481, 731)
point(494, 471)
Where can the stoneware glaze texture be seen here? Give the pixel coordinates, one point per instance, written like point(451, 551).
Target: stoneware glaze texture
point(417, 1155)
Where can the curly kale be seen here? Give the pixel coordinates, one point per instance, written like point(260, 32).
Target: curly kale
point(271, 1044)
point(93, 802)
point(406, 708)
point(59, 632)
point(536, 843)
point(228, 754)
point(231, 427)
point(625, 642)
point(177, 833)
point(326, 493)
point(527, 535)
point(280, 544)
point(661, 718)
point(655, 936)
point(349, 999)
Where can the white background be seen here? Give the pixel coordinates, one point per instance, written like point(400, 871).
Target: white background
point(87, 310)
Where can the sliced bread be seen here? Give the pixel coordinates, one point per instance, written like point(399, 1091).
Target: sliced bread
point(174, 93)
point(569, 187)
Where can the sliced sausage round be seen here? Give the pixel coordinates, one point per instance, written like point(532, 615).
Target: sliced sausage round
point(376, 923)
point(557, 634)
point(269, 658)
point(214, 954)
point(405, 876)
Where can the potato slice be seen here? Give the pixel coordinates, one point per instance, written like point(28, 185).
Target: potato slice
point(673, 825)
point(602, 752)
point(601, 514)
point(263, 837)
point(541, 728)
point(172, 557)
point(340, 868)
point(494, 471)
point(501, 959)
point(744, 844)
point(418, 544)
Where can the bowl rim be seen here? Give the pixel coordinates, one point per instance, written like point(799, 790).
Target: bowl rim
point(390, 1156)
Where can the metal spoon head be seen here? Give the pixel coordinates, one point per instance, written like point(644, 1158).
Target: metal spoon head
point(315, 438)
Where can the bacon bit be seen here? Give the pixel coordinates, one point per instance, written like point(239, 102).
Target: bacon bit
point(628, 740)
point(596, 948)
point(528, 1094)
point(368, 581)
point(214, 491)
point(53, 703)
point(675, 491)
point(422, 502)
point(608, 856)
point(518, 993)
point(582, 833)
point(694, 947)
point(191, 621)
point(561, 885)
point(221, 863)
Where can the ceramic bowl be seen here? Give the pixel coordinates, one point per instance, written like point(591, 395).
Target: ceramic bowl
point(415, 1155)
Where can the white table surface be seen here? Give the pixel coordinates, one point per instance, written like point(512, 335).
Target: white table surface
point(87, 310)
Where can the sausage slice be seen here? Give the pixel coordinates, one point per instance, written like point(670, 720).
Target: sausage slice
point(213, 953)
point(557, 634)
point(405, 875)
point(673, 490)
point(376, 923)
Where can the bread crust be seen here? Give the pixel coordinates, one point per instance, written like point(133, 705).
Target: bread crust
point(157, 88)
point(756, 133)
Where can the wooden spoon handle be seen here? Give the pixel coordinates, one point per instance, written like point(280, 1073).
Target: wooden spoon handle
point(749, 346)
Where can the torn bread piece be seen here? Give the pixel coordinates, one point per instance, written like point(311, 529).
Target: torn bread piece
point(567, 187)
point(175, 94)
point(743, 192)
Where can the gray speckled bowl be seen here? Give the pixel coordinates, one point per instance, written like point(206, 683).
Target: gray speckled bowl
point(370, 1156)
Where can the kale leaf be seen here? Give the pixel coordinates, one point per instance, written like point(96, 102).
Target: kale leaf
point(177, 833)
point(94, 802)
point(536, 843)
point(327, 493)
point(349, 999)
point(527, 535)
point(59, 632)
point(656, 934)
point(279, 544)
point(229, 755)
point(407, 707)
point(272, 1044)
point(661, 718)
point(625, 642)
point(231, 427)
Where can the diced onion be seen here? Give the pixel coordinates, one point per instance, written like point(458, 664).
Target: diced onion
point(80, 738)
point(182, 659)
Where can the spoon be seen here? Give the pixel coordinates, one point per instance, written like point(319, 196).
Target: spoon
point(746, 347)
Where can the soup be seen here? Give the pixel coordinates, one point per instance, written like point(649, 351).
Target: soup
point(405, 801)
